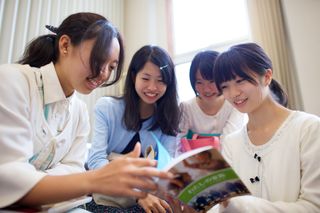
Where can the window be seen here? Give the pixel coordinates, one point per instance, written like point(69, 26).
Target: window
point(205, 24)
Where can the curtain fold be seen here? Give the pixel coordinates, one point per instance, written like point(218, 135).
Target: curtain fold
point(268, 29)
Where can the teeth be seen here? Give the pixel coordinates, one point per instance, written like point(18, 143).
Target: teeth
point(239, 101)
point(95, 83)
point(151, 94)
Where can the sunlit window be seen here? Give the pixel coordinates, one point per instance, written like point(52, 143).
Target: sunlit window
point(205, 24)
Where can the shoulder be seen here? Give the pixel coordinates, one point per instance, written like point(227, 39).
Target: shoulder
point(21, 75)
point(188, 105)
point(303, 119)
point(14, 71)
point(235, 138)
point(110, 105)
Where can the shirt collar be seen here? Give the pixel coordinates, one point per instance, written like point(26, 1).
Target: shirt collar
point(52, 88)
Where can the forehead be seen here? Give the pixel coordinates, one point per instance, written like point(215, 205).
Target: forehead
point(150, 69)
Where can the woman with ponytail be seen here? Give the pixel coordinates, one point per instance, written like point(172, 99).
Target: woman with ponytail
point(44, 126)
point(276, 153)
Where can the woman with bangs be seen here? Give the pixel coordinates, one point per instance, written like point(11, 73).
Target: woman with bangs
point(148, 106)
point(208, 113)
point(44, 125)
point(275, 153)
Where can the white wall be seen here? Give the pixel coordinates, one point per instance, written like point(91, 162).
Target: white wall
point(303, 22)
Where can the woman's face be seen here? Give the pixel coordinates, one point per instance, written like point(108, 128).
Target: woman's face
point(206, 89)
point(244, 95)
point(149, 84)
point(78, 74)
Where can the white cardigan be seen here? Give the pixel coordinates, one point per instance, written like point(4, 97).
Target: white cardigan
point(289, 170)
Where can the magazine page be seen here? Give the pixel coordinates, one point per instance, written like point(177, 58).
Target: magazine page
point(202, 179)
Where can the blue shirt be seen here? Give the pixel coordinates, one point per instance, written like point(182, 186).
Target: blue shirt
point(111, 135)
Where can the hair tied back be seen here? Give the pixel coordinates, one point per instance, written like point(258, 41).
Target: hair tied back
point(52, 28)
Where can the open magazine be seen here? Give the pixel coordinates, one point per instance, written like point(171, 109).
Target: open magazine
point(202, 178)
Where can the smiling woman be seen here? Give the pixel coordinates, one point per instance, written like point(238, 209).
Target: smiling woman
point(219, 24)
point(44, 125)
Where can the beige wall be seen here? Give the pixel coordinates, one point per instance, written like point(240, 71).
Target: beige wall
point(144, 23)
point(303, 22)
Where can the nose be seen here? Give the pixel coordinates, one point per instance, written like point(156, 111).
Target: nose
point(234, 91)
point(104, 75)
point(153, 85)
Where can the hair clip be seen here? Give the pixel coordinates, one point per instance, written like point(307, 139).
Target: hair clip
point(165, 66)
point(52, 29)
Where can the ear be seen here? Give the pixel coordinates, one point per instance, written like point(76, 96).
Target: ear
point(64, 44)
point(268, 77)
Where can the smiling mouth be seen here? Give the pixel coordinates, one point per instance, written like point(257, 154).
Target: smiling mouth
point(94, 83)
point(239, 102)
point(151, 95)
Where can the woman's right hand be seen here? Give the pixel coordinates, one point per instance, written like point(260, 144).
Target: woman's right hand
point(127, 176)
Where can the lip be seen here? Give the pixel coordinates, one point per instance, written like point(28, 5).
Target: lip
point(240, 102)
point(151, 96)
point(93, 84)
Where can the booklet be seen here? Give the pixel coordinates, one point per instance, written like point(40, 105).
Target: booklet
point(203, 178)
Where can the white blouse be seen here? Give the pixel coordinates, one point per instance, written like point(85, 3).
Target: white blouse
point(36, 142)
point(225, 121)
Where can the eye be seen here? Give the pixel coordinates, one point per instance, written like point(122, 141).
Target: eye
point(240, 80)
point(223, 86)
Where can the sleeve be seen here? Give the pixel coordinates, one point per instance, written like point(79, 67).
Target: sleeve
point(309, 197)
point(74, 160)
point(235, 121)
point(97, 153)
point(17, 176)
point(170, 143)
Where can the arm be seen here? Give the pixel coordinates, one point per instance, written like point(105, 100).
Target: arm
point(121, 177)
point(98, 152)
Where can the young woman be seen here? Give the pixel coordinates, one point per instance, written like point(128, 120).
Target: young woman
point(44, 125)
point(276, 153)
point(149, 105)
point(208, 112)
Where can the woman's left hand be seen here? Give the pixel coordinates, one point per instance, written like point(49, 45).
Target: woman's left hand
point(153, 204)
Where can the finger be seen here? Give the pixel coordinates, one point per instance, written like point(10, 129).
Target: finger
point(151, 172)
point(165, 205)
point(135, 153)
point(174, 204)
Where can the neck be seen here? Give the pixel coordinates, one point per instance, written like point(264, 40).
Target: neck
point(68, 91)
point(268, 113)
point(146, 110)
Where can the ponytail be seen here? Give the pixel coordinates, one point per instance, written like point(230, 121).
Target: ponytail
point(278, 93)
point(40, 51)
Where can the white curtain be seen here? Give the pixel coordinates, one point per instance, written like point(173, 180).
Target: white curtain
point(269, 30)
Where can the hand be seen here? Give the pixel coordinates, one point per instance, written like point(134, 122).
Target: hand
point(153, 204)
point(178, 207)
point(127, 176)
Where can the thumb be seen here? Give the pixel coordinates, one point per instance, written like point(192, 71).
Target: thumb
point(135, 153)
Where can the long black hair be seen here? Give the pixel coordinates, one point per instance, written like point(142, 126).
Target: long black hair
point(79, 27)
point(203, 61)
point(167, 114)
point(243, 60)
